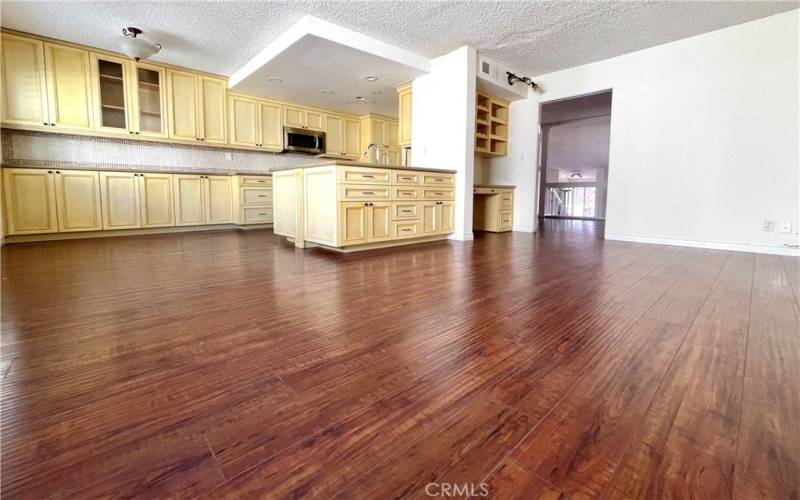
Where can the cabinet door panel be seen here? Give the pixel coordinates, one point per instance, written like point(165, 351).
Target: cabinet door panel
point(119, 194)
point(352, 137)
point(352, 223)
point(379, 132)
point(379, 221)
point(445, 217)
point(111, 91)
point(218, 199)
point(294, 117)
point(149, 99)
point(243, 120)
point(182, 105)
point(78, 200)
point(392, 134)
point(188, 195)
point(24, 89)
point(155, 198)
point(315, 120)
point(30, 198)
point(271, 128)
point(334, 138)
point(428, 213)
point(212, 110)
point(69, 86)
point(404, 122)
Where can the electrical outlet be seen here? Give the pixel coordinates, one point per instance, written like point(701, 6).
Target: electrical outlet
point(769, 226)
point(786, 226)
point(228, 155)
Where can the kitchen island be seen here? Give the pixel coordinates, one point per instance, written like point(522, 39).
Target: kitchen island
point(348, 206)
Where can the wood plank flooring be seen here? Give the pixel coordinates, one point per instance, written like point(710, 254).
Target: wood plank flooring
point(556, 365)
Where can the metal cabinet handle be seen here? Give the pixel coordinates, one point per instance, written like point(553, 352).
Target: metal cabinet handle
point(49, 171)
point(369, 192)
point(262, 196)
point(368, 176)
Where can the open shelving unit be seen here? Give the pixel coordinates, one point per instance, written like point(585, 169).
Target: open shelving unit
point(491, 126)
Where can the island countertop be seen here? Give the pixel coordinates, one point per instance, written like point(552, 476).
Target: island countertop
point(350, 163)
point(495, 186)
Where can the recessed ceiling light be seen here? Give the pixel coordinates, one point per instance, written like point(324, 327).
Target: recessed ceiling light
point(371, 78)
point(376, 92)
point(359, 98)
point(274, 80)
point(326, 91)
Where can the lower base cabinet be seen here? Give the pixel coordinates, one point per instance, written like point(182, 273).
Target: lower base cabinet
point(40, 201)
point(364, 222)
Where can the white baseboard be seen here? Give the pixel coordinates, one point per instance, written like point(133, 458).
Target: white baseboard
point(524, 229)
point(464, 237)
point(735, 247)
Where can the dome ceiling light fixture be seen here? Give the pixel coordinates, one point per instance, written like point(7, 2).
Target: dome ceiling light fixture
point(135, 47)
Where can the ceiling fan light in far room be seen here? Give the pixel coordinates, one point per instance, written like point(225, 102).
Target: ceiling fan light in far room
point(135, 47)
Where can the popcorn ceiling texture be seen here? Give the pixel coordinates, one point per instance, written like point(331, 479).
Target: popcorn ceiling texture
point(42, 149)
point(534, 37)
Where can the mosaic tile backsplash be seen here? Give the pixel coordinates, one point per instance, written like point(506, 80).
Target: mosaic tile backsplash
point(42, 149)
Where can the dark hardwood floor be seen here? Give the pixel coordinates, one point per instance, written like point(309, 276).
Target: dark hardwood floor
point(229, 364)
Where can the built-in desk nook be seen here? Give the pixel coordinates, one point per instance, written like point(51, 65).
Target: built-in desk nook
point(492, 208)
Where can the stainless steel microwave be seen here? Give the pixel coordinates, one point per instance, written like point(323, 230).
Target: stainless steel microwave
point(301, 140)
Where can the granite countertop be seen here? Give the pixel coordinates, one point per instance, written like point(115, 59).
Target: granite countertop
point(153, 170)
point(322, 162)
point(495, 186)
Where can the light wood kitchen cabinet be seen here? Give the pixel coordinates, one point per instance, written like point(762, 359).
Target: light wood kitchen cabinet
point(155, 200)
point(299, 117)
point(69, 87)
point(119, 194)
point(342, 136)
point(196, 107)
point(111, 92)
point(346, 204)
point(404, 114)
point(271, 126)
point(212, 109)
point(203, 199)
point(493, 208)
point(243, 120)
point(30, 201)
point(24, 92)
point(382, 132)
point(78, 200)
point(255, 123)
point(218, 199)
point(148, 97)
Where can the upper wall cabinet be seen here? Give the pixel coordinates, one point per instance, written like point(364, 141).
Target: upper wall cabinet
point(149, 99)
point(253, 122)
point(303, 118)
point(24, 90)
point(196, 107)
point(404, 114)
point(342, 136)
point(69, 87)
point(112, 104)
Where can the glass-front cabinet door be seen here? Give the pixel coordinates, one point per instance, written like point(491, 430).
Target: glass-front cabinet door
point(111, 86)
point(149, 94)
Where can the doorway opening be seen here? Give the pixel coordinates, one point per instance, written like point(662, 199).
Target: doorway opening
point(574, 150)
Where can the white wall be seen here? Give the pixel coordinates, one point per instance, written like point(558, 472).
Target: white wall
point(443, 126)
point(704, 137)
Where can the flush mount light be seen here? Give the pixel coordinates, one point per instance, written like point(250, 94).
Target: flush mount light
point(376, 92)
point(371, 78)
point(274, 80)
point(135, 47)
point(359, 98)
point(326, 91)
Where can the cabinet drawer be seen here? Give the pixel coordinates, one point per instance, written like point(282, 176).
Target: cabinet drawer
point(256, 196)
point(405, 193)
point(256, 215)
point(350, 192)
point(437, 194)
point(484, 190)
point(363, 175)
point(506, 200)
point(438, 179)
point(405, 229)
point(404, 210)
point(401, 177)
point(247, 180)
point(506, 221)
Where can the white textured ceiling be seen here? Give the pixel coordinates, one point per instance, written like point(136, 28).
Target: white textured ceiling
point(530, 37)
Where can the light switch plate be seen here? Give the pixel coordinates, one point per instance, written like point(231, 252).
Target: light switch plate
point(769, 226)
point(786, 226)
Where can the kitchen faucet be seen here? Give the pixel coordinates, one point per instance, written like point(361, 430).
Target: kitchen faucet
point(380, 152)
